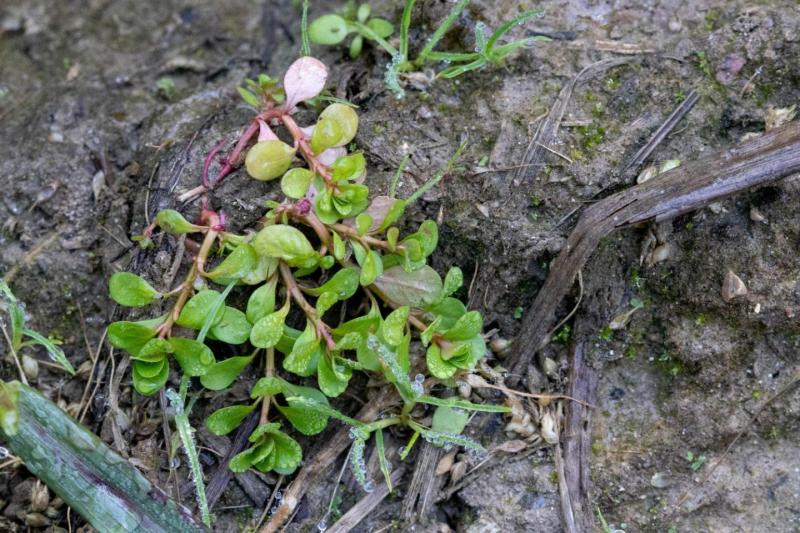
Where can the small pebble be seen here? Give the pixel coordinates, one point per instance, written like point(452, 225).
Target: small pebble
point(756, 215)
point(660, 480)
point(732, 287)
point(661, 253)
point(31, 367)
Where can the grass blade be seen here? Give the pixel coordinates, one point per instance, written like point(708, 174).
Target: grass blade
point(442, 30)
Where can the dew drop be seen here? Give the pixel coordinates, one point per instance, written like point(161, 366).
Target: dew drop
point(4, 453)
point(278, 496)
point(419, 378)
point(322, 525)
point(369, 486)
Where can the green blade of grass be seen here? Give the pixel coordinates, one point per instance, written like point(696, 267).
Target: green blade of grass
point(405, 23)
point(507, 25)
point(441, 30)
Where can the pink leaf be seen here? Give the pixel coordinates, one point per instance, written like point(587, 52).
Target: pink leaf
point(305, 79)
point(264, 133)
point(329, 156)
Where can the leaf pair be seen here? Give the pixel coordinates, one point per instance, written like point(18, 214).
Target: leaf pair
point(332, 29)
point(150, 364)
point(271, 450)
point(226, 323)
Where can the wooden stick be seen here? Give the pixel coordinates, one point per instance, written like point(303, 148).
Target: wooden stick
point(366, 505)
point(577, 442)
point(772, 156)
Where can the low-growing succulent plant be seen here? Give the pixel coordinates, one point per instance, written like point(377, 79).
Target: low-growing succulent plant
point(331, 285)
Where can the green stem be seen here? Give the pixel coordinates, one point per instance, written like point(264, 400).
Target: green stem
point(367, 32)
point(383, 423)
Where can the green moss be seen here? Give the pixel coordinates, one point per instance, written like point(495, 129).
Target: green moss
point(712, 19)
point(612, 83)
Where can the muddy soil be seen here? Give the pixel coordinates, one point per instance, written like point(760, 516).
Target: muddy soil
point(93, 143)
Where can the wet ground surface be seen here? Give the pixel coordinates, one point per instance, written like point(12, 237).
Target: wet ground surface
point(91, 147)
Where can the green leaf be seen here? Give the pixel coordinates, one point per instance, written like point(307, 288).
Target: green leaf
point(327, 134)
point(427, 334)
point(382, 28)
point(131, 336)
point(448, 311)
point(415, 289)
point(363, 12)
point(198, 308)
point(288, 453)
point(222, 374)
point(325, 301)
point(131, 291)
point(173, 222)
point(449, 420)
point(428, 236)
point(391, 237)
point(356, 45)
point(147, 386)
point(264, 269)
point(268, 386)
point(463, 404)
point(324, 408)
point(232, 329)
point(285, 242)
point(466, 327)
point(351, 341)
point(344, 283)
point(295, 182)
point(363, 223)
point(393, 328)
point(382, 462)
point(395, 372)
point(240, 262)
point(306, 421)
point(328, 29)
point(305, 354)
point(437, 366)
point(154, 350)
point(211, 316)
point(242, 461)
point(147, 369)
point(452, 281)
point(248, 97)
point(225, 420)
point(264, 429)
point(338, 247)
point(371, 268)
point(349, 168)
point(367, 357)
point(332, 381)
point(261, 301)
point(368, 323)
point(195, 358)
point(268, 330)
